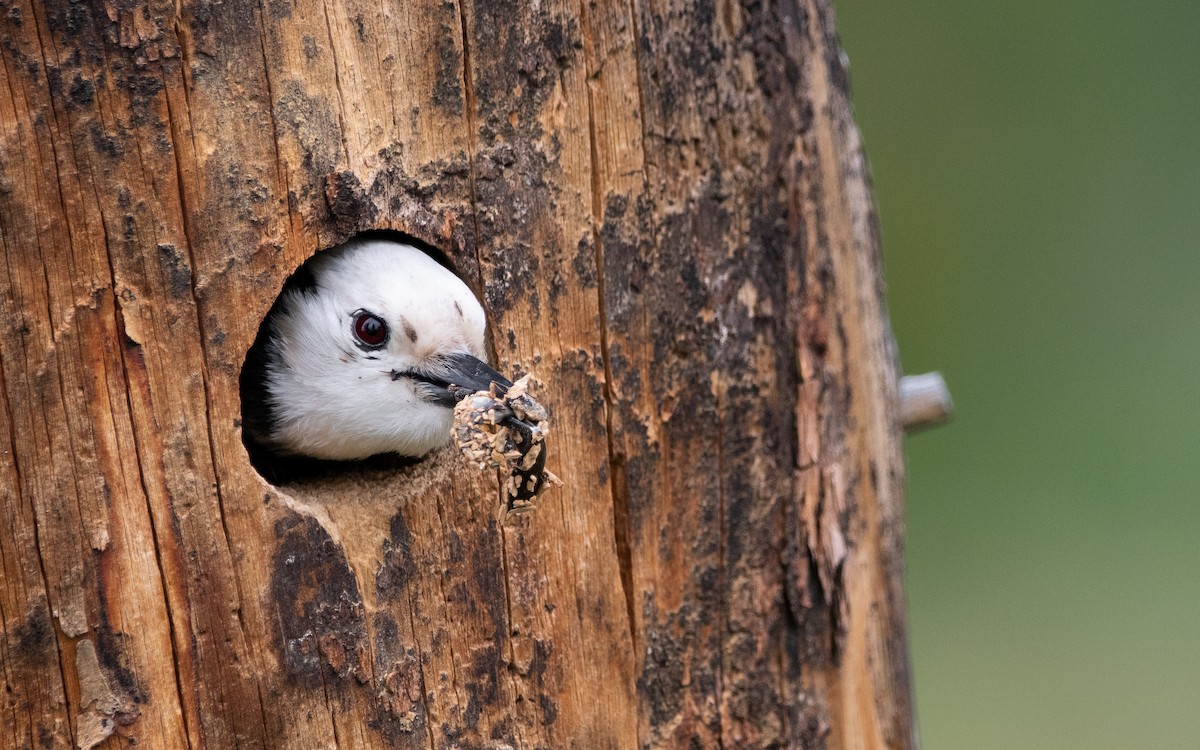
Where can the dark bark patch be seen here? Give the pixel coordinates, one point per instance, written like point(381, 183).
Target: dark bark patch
point(216, 335)
point(393, 575)
point(661, 681)
point(625, 236)
point(542, 651)
point(488, 584)
point(682, 47)
point(584, 262)
point(485, 670)
point(309, 123)
point(513, 281)
point(641, 469)
point(104, 142)
point(454, 546)
point(143, 91)
point(311, 50)
point(447, 85)
point(625, 373)
point(33, 637)
point(524, 57)
point(350, 205)
point(319, 607)
point(179, 273)
point(400, 713)
point(82, 92)
point(279, 10)
point(112, 649)
point(549, 709)
point(70, 20)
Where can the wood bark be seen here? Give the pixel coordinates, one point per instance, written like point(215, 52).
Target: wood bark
point(665, 209)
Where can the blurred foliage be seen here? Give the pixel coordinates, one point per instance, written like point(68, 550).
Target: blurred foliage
point(1037, 168)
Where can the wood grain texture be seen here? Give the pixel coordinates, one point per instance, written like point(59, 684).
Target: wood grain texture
point(665, 209)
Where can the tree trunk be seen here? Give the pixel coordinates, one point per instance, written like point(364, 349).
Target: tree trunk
point(664, 207)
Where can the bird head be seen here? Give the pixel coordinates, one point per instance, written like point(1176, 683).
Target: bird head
point(369, 354)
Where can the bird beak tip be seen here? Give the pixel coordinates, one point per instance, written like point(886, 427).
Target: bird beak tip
point(458, 376)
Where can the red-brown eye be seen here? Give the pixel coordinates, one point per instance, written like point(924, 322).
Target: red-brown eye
point(370, 329)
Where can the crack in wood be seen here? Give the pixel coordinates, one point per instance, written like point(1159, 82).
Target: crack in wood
point(619, 494)
point(472, 167)
point(209, 427)
point(176, 656)
point(37, 546)
point(337, 82)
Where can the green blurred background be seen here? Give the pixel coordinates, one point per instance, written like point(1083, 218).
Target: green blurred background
point(1037, 168)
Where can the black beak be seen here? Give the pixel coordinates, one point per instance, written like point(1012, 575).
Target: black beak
point(458, 376)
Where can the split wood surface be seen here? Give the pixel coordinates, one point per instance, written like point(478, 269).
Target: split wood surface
point(665, 209)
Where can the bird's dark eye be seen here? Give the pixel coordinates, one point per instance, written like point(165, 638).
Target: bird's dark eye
point(370, 329)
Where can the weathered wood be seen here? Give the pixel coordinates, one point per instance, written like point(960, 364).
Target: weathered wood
point(665, 209)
